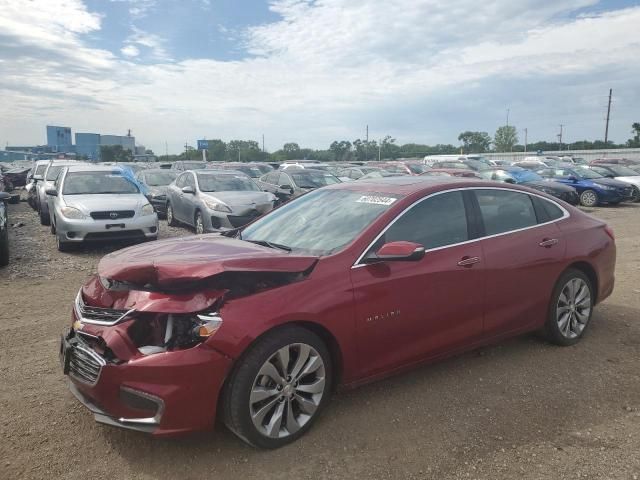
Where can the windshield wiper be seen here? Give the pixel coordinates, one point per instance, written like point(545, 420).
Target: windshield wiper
point(265, 243)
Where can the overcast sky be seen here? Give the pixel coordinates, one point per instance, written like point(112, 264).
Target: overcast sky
point(315, 71)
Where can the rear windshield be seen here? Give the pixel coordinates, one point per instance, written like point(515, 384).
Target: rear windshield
point(225, 182)
point(97, 183)
point(53, 172)
point(40, 169)
point(194, 165)
point(307, 179)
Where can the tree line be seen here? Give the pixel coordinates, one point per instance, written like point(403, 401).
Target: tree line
point(505, 139)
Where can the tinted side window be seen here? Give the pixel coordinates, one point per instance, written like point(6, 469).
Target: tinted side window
point(504, 211)
point(189, 181)
point(435, 222)
point(355, 174)
point(550, 210)
point(180, 181)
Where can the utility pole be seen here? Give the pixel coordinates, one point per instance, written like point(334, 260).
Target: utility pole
point(508, 117)
point(263, 143)
point(186, 152)
point(366, 146)
point(606, 130)
point(525, 139)
point(166, 149)
point(560, 137)
point(379, 149)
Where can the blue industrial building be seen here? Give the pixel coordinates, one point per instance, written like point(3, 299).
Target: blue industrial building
point(59, 138)
point(88, 144)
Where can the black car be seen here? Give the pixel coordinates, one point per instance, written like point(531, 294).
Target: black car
point(17, 176)
point(294, 182)
point(4, 230)
point(522, 176)
point(157, 180)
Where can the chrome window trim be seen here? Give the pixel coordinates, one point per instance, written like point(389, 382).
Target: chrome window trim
point(565, 214)
point(102, 323)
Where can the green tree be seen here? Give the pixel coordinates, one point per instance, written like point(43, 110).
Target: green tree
point(341, 150)
point(475, 142)
point(217, 150)
point(244, 151)
point(115, 153)
point(505, 138)
point(635, 141)
point(291, 151)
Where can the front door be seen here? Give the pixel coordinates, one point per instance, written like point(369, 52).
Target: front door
point(407, 311)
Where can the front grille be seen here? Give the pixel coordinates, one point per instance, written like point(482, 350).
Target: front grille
point(240, 220)
point(115, 235)
point(85, 364)
point(97, 315)
point(113, 214)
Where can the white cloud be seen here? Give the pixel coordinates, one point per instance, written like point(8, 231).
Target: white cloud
point(422, 70)
point(139, 8)
point(130, 51)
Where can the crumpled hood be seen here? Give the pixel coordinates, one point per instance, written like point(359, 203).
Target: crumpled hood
point(175, 261)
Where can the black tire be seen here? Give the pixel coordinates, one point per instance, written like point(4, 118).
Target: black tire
point(589, 198)
point(52, 227)
point(198, 217)
point(552, 328)
point(4, 247)
point(236, 407)
point(44, 218)
point(63, 246)
point(171, 219)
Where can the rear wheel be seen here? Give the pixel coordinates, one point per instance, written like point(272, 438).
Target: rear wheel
point(589, 198)
point(171, 220)
point(278, 388)
point(571, 308)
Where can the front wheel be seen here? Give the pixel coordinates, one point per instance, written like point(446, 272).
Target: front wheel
point(199, 223)
point(63, 246)
point(589, 198)
point(171, 220)
point(278, 388)
point(570, 309)
point(44, 218)
point(4, 247)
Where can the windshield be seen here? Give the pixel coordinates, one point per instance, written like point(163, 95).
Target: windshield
point(307, 179)
point(587, 173)
point(84, 183)
point(417, 168)
point(194, 165)
point(321, 222)
point(523, 175)
point(159, 179)
point(622, 171)
point(225, 182)
point(253, 172)
point(40, 169)
point(53, 172)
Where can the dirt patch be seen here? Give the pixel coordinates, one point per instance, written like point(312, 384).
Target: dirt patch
point(522, 409)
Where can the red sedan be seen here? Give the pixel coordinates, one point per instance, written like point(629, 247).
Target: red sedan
point(342, 286)
point(450, 172)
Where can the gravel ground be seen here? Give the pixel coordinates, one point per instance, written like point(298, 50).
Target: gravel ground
point(522, 409)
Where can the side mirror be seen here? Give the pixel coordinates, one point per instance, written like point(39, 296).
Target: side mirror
point(51, 192)
point(4, 196)
point(287, 188)
point(509, 180)
point(188, 189)
point(571, 178)
point(397, 251)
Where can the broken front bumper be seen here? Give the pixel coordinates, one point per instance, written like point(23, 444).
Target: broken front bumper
point(165, 394)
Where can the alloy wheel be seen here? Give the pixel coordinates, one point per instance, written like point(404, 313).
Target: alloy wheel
point(573, 308)
point(287, 390)
point(589, 198)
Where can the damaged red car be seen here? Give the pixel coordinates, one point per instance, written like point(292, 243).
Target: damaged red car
point(345, 285)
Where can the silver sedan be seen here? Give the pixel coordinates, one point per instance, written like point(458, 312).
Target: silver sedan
point(215, 200)
point(90, 203)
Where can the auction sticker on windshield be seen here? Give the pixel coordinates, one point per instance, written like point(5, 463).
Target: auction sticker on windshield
point(376, 200)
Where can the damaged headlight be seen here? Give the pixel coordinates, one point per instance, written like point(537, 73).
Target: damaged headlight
point(147, 209)
point(180, 331)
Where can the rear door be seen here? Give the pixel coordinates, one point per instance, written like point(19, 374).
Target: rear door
point(407, 311)
point(523, 251)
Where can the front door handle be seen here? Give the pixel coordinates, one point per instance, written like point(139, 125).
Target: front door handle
point(468, 261)
point(548, 242)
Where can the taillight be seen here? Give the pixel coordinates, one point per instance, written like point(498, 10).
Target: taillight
point(609, 231)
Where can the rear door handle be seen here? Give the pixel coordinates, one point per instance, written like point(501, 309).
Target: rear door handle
point(548, 242)
point(468, 261)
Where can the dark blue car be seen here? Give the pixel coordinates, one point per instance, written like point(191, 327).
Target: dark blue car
point(593, 188)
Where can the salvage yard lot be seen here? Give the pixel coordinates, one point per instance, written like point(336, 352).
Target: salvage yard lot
point(521, 409)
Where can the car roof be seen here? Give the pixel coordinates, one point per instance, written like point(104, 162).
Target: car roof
point(92, 168)
point(407, 185)
point(158, 170)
